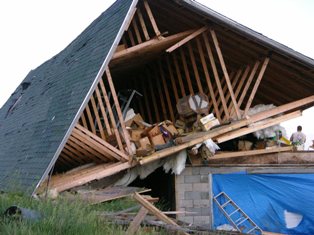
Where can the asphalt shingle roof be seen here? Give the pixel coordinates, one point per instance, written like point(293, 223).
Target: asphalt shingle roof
point(38, 114)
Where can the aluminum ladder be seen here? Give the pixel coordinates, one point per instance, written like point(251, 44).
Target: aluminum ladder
point(237, 218)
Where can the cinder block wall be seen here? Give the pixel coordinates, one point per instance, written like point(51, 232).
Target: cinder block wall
point(192, 195)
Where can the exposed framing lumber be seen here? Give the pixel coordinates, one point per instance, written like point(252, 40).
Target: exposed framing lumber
point(161, 95)
point(187, 39)
point(256, 85)
point(143, 25)
point(179, 75)
point(256, 127)
point(137, 32)
point(208, 80)
point(165, 88)
point(202, 136)
point(127, 26)
point(152, 209)
point(131, 37)
point(136, 222)
point(250, 153)
point(103, 112)
point(83, 119)
point(90, 119)
point(152, 19)
point(149, 113)
point(68, 150)
point(225, 72)
point(186, 72)
point(216, 76)
point(101, 129)
point(153, 99)
point(111, 116)
point(118, 109)
point(173, 82)
point(195, 69)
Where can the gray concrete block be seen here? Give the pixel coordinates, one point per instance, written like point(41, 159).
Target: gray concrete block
point(201, 203)
point(196, 170)
point(201, 220)
point(196, 211)
point(188, 219)
point(192, 179)
point(204, 170)
point(205, 211)
point(204, 195)
point(202, 187)
point(193, 195)
point(179, 179)
point(186, 203)
point(187, 171)
point(204, 178)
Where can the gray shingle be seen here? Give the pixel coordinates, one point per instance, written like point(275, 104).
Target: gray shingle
point(34, 121)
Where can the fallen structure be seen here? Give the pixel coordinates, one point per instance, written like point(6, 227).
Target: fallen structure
point(189, 75)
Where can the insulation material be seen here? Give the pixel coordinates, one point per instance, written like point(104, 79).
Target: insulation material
point(212, 147)
point(176, 164)
point(269, 132)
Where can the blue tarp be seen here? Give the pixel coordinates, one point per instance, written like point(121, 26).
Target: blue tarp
point(270, 200)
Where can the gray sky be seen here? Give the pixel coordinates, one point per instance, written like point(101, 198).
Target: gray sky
point(33, 31)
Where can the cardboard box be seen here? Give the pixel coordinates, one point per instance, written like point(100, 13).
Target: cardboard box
point(210, 124)
point(208, 118)
point(171, 129)
point(145, 143)
point(158, 140)
point(136, 134)
point(153, 132)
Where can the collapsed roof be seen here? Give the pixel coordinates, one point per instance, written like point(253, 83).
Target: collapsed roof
point(53, 109)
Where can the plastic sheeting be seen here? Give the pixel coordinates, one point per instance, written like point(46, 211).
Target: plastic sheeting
point(282, 203)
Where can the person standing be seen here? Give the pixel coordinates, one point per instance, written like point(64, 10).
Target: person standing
point(298, 138)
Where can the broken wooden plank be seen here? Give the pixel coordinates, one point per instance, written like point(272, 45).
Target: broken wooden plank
point(154, 210)
point(256, 85)
point(259, 126)
point(186, 39)
point(136, 222)
point(225, 72)
point(250, 152)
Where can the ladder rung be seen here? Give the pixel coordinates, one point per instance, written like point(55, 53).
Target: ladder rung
point(226, 203)
point(234, 212)
point(219, 194)
point(251, 230)
point(242, 221)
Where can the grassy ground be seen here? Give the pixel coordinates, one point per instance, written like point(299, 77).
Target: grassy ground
point(62, 217)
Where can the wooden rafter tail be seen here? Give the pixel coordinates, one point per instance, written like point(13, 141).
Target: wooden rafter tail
point(165, 88)
point(208, 80)
point(225, 72)
point(111, 116)
point(256, 85)
point(187, 39)
point(118, 109)
point(265, 124)
point(216, 76)
point(152, 19)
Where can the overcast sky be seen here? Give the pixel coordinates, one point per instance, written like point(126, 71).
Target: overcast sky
point(33, 31)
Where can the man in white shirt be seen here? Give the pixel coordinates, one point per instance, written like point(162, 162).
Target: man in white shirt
point(298, 138)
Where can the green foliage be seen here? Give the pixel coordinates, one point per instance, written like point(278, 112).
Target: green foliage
point(61, 217)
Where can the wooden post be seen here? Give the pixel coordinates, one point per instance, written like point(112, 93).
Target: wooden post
point(118, 109)
point(224, 69)
point(256, 85)
point(216, 76)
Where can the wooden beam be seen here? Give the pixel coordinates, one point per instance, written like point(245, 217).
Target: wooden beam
point(111, 116)
point(256, 127)
point(151, 18)
point(250, 153)
point(137, 220)
point(173, 82)
point(186, 72)
point(165, 88)
point(143, 25)
point(225, 72)
point(118, 109)
point(187, 39)
point(152, 209)
point(195, 69)
point(256, 85)
point(208, 80)
point(216, 76)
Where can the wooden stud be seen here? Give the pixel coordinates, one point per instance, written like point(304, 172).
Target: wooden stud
point(208, 80)
point(161, 95)
point(151, 18)
point(225, 72)
point(83, 119)
point(178, 72)
point(143, 25)
point(101, 129)
point(153, 98)
point(103, 111)
point(90, 119)
point(195, 69)
point(165, 88)
point(67, 160)
point(137, 32)
point(71, 152)
point(241, 83)
point(140, 102)
point(173, 82)
point(111, 116)
point(146, 99)
point(131, 37)
point(186, 72)
point(216, 76)
point(118, 109)
point(248, 83)
point(256, 85)
point(187, 39)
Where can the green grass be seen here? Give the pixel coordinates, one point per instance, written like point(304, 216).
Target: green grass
point(62, 217)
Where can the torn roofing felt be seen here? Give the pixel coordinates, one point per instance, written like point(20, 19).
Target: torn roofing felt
point(37, 116)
